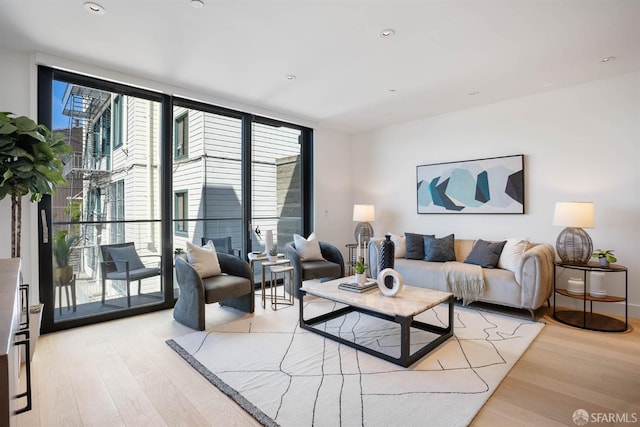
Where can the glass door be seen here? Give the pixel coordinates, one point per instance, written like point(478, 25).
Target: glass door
point(276, 185)
point(104, 224)
point(207, 179)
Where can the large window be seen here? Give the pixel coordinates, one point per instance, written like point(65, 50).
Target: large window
point(153, 172)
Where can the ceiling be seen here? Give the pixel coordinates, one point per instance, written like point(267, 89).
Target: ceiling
point(348, 78)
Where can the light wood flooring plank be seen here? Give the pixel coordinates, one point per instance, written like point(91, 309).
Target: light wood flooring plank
point(139, 380)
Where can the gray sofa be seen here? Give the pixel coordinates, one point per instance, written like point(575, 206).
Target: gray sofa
point(528, 287)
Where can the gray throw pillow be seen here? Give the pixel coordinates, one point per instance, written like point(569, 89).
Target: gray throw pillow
point(415, 245)
point(126, 253)
point(485, 254)
point(439, 250)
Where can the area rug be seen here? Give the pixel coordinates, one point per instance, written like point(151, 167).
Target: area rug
point(287, 376)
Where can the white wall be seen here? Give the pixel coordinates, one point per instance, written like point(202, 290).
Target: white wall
point(15, 97)
point(580, 143)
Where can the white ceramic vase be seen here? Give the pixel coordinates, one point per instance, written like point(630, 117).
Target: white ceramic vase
point(361, 278)
point(596, 285)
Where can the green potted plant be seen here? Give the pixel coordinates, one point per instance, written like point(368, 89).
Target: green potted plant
point(29, 164)
point(361, 268)
point(273, 254)
point(63, 245)
point(605, 256)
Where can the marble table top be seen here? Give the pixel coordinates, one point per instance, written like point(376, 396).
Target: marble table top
point(410, 301)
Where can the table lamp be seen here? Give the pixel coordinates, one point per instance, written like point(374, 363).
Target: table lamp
point(364, 230)
point(574, 245)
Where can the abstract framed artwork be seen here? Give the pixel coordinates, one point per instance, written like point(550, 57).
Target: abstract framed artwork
point(493, 186)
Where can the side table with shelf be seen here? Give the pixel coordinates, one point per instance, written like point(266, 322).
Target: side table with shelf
point(588, 319)
point(281, 265)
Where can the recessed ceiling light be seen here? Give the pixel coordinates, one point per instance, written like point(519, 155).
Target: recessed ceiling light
point(548, 84)
point(197, 4)
point(474, 92)
point(607, 59)
point(389, 32)
point(290, 77)
point(94, 8)
point(392, 90)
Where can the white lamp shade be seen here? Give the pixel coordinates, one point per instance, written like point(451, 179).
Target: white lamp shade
point(574, 214)
point(363, 213)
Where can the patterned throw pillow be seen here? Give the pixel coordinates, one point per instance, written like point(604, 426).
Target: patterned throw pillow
point(485, 254)
point(439, 250)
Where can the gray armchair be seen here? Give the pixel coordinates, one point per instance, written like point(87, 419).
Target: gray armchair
point(120, 261)
point(234, 288)
point(331, 267)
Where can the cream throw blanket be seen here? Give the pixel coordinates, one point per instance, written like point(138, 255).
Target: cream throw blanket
point(464, 281)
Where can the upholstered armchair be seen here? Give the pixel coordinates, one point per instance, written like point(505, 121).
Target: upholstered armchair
point(233, 288)
point(330, 267)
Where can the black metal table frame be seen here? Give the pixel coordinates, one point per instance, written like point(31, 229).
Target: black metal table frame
point(406, 323)
point(588, 315)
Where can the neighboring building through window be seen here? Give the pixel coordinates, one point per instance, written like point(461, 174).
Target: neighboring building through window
point(181, 212)
point(117, 121)
point(116, 201)
point(182, 136)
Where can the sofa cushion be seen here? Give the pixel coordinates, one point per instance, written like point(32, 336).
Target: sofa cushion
point(439, 249)
point(320, 269)
point(126, 253)
point(414, 244)
point(511, 253)
point(485, 254)
point(225, 286)
point(204, 259)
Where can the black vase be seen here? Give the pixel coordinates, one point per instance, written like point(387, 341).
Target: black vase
point(387, 257)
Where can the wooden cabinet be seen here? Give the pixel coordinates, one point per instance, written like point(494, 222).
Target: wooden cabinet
point(14, 334)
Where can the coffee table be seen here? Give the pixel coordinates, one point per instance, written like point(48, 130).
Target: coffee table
point(401, 309)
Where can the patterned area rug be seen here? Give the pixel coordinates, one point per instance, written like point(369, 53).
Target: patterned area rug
point(287, 376)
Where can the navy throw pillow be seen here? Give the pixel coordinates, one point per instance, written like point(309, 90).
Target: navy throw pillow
point(415, 245)
point(485, 254)
point(439, 250)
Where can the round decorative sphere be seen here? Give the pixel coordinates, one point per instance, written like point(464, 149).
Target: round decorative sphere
point(574, 246)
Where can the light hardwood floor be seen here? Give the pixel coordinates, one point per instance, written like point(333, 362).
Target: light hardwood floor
point(121, 373)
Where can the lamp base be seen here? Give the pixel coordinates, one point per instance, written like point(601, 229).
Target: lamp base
point(574, 246)
point(365, 231)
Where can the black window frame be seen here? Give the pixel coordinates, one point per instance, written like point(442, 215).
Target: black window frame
point(45, 78)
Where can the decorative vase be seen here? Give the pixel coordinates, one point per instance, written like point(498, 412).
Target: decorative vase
point(272, 258)
point(361, 278)
point(268, 241)
point(575, 286)
point(387, 258)
point(596, 285)
point(603, 261)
